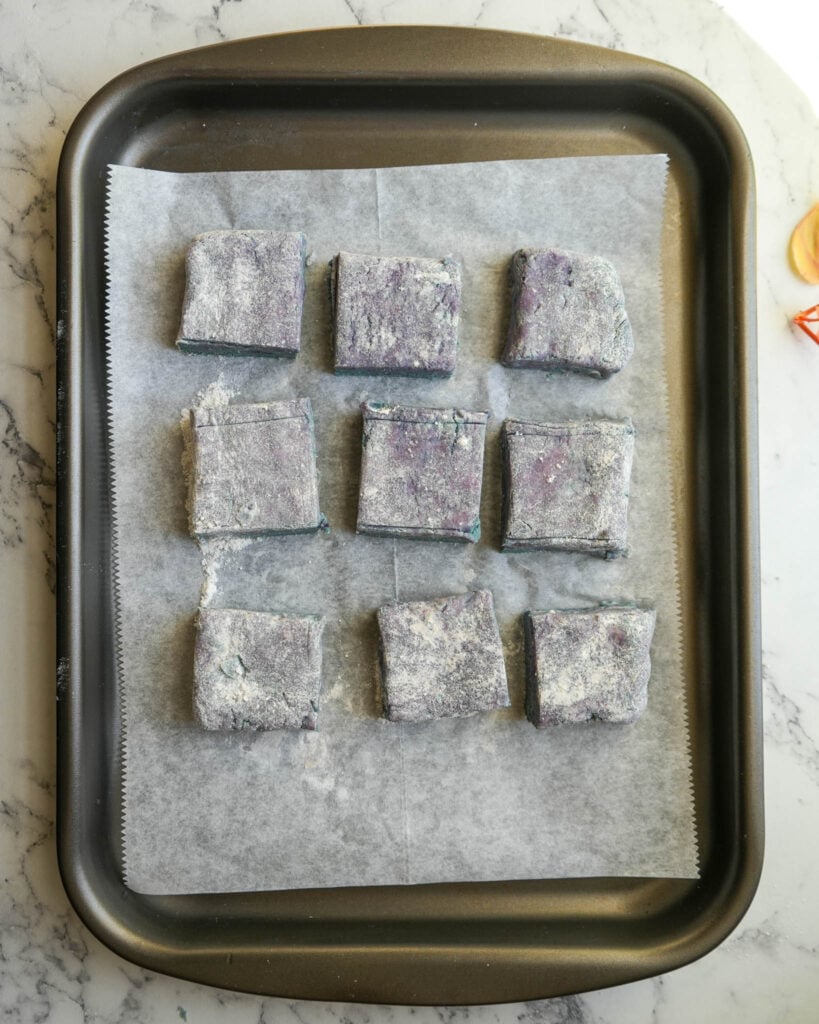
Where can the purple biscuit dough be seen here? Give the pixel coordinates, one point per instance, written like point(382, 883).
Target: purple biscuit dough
point(566, 485)
point(255, 670)
point(568, 313)
point(395, 315)
point(244, 293)
point(254, 469)
point(421, 472)
point(587, 663)
point(441, 658)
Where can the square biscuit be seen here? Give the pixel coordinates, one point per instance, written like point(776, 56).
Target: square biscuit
point(253, 469)
point(395, 315)
point(588, 663)
point(441, 658)
point(421, 472)
point(568, 313)
point(566, 485)
point(244, 293)
point(256, 670)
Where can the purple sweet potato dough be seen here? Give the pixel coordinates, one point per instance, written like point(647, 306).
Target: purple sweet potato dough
point(566, 485)
point(244, 293)
point(256, 670)
point(395, 315)
point(588, 663)
point(441, 658)
point(568, 313)
point(253, 469)
point(421, 472)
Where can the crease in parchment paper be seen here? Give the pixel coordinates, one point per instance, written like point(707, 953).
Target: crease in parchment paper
point(363, 801)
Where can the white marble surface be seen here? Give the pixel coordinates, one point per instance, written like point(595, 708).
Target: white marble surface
point(772, 26)
point(53, 56)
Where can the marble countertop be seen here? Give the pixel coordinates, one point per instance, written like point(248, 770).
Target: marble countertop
point(53, 57)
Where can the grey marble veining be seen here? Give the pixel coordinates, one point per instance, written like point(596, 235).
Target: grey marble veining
point(53, 56)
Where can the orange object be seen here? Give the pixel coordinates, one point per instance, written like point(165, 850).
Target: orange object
point(804, 247)
point(807, 317)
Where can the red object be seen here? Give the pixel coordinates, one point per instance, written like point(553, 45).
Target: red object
point(807, 317)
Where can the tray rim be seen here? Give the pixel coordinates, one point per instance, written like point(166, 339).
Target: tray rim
point(100, 898)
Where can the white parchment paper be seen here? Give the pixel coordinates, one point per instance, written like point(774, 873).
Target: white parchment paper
point(363, 801)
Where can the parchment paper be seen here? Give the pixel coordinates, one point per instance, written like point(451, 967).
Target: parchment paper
point(363, 801)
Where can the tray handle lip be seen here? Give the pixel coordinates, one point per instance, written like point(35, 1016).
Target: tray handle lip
point(101, 908)
point(506, 55)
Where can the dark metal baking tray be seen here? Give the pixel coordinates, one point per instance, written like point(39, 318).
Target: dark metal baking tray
point(391, 96)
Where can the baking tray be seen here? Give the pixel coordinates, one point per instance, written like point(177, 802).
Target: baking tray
point(366, 97)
